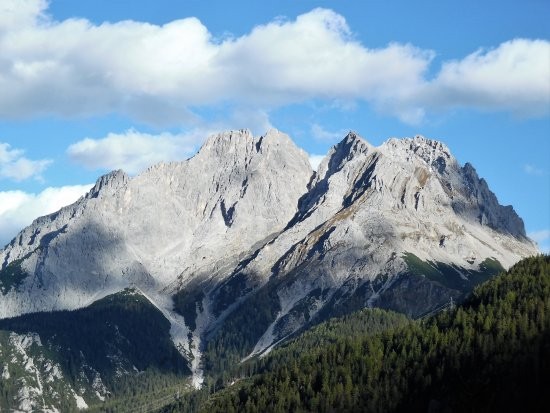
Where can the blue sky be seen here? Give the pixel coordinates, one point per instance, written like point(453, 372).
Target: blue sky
point(92, 85)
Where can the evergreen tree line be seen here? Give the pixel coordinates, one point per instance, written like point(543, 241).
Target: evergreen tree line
point(123, 337)
point(491, 353)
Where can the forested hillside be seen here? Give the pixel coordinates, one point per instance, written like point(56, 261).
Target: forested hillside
point(491, 353)
point(115, 353)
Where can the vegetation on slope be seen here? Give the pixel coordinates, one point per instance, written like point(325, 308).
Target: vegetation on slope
point(11, 277)
point(121, 338)
point(361, 323)
point(492, 353)
point(451, 276)
point(241, 330)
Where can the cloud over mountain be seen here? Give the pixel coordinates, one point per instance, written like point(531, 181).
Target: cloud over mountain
point(132, 151)
point(18, 208)
point(162, 73)
point(15, 166)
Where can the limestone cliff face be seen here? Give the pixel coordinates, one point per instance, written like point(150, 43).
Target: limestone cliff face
point(400, 226)
point(174, 222)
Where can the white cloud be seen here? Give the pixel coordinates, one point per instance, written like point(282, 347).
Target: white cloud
point(323, 135)
point(20, 13)
point(515, 76)
point(133, 151)
point(533, 170)
point(542, 238)
point(315, 160)
point(18, 209)
point(161, 74)
point(15, 166)
point(315, 56)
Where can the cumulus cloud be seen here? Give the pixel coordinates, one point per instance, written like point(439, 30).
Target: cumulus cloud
point(514, 76)
point(133, 151)
point(315, 160)
point(20, 13)
point(323, 135)
point(18, 209)
point(15, 166)
point(542, 238)
point(163, 73)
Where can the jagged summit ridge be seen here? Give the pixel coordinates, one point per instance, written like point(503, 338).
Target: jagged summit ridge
point(468, 194)
point(247, 215)
point(486, 208)
point(340, 154)
point(109, 183)
point(366, 210)
point(172, 223)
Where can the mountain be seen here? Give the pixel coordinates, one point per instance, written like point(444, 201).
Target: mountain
point(176, 221)
point(489, 354)
point(174, 224)
point(69, 360)
point(402, 226)
point(243, 246)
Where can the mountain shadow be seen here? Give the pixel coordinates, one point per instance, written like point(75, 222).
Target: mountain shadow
point(120, 335)
point(490, 354)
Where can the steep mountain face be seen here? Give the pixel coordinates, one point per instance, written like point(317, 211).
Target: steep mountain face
point(183, 221)
point(489, 354)
point(401, 226)
point(243, 245)
point(70, 360)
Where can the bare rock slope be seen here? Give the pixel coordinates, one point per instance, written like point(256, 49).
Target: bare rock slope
point(246, 225)
point(175, 221)
point(400, 226)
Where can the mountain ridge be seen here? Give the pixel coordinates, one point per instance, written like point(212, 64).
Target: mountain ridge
point(245, 225)
point(488, 353)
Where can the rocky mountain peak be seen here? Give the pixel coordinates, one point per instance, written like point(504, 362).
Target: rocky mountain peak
point(399, 226)
point(434, 154)
point(236, 147)
point(109, 183)
point(173, 223)
point(276, 141)
point(228, 142)
point(482, 205)
point(372, 216)
point(470, 172)
point(438, 178)
point(352, 146)
point(276, 136)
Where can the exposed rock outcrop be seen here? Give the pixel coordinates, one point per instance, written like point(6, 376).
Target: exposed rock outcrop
point(400, 226)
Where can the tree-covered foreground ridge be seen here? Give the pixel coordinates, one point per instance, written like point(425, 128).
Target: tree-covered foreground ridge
point(230, 272)
point(491, 353)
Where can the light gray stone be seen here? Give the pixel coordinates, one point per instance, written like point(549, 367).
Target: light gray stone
point(254, 208)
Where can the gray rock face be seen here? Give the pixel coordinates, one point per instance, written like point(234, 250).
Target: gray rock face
point(372, 216)
point(171, 224)
point(401, 226)
point(408, 195)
